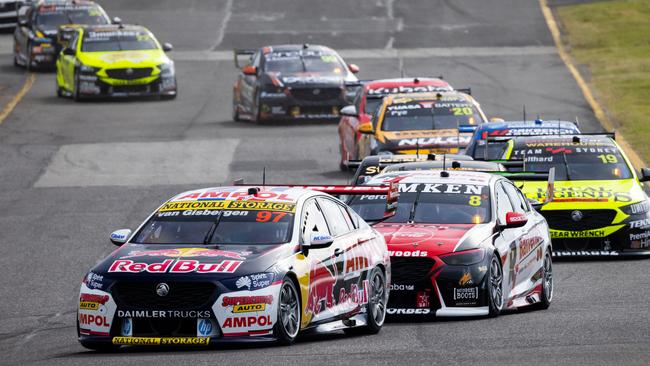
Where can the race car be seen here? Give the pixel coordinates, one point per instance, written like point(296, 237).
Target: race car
point(424, 123)
point(461, 244)
point(499, 132)
point(356, 117)
point(375, 164)
point(600, 207)
point(8, 13)
point(35, 38)
point(292, 82)
point(238, 263)
point(114, 61)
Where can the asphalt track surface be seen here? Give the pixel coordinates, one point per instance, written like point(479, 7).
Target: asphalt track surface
point(70, 173)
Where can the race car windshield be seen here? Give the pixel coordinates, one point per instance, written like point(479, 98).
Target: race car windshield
point(217, 227)
point(324, 64)
point(423, 206)
point(117, 41)
point(576, 163)
point(422, 116)
point(52, 20)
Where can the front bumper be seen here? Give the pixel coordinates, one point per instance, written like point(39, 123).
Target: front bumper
point(92, 86)
point(281, 106)
point(427, 287)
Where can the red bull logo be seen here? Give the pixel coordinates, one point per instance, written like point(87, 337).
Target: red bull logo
point(321, 288)
point(185, 253)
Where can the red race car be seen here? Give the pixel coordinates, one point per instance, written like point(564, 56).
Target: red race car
point(461, 244)
point(368, 98)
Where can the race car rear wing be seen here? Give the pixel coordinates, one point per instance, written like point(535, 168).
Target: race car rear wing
point(238, 52)
point(343, 191)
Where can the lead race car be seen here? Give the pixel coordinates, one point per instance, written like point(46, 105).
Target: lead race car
point(292, 82)
point(461, 244)
point(239, 264)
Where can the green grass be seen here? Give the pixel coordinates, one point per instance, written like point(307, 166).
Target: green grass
point(612, 38)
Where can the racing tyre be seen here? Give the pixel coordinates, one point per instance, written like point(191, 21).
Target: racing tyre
point(256, 111)
point(547, 284)
point(288, 324)
point(75, 92)
point(376, 307)
point(28, 58)
point(495, 286)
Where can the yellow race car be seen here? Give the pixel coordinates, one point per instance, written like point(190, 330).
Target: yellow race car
point(114, 60)
point(599, 207)
point(423, 123)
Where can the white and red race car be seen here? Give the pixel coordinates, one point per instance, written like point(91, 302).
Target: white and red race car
point(461, 244)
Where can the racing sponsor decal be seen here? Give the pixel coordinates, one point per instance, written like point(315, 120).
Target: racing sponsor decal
point(174, 266)
point(356, 261)
point(133, 57)
point(246, 304)
point(407, 253)
point(94, 281)
point(454, 140)
point(422, 299)
point(164, 313)
point(321, 288)
point(578, 234)
point(248, 308)
point(204, 327)
point(640, 236)
point(577, 253)
point(356, 295)
point(395, 311)
point(311, 79)
point(407, 90)
point(531, 131)
point(186, 253)
point(527, 245)
point(401, 287)
point(254, 281)
point(91, 319)
point(188, 206)
point(127, 327)
point(603, 193)
point(640, 224)
point(247, 322)
point(92, 301)
point(465, 279)
point(466, 295)
point(162, 341)
point(236, 195)
point(447, 188)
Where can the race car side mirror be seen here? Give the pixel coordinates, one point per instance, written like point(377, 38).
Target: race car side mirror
point(23, 22)
point(249, 70)
point(349, 110)
point(68, 51)
point(116, 20)
point(318, 241)
point(119, 237)
point(366, 128)
point(535, 204)
point(353, 68)
point(496, 119)
point(167, 47)
point(515, 219)
point(645, 174)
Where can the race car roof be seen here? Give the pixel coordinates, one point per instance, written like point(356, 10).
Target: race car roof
point(296, 47)
point(538, 123)
point(450, 96)
point(59, 4)
point(384, 87)
point(471, 165)
point(244, 193)
point(114, 28)
point(433, 176)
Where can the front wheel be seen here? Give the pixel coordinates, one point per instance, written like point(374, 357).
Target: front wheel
point(495, 286)
point(547, 285)
point(75, 93)
point(288, 324)
point(28, 58)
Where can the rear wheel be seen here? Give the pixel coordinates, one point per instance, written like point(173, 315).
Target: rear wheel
point(256, 110)
point(495, 286)
point(376, 307)
point(547, 284)
point(288, 324)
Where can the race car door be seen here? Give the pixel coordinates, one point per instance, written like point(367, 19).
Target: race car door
point(528, 256)
point(323, 273)
point(507, 242)
point(67, 59)
point(351, 256)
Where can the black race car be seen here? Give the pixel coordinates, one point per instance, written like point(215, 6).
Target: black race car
point(35, 38)
point(291, 82)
